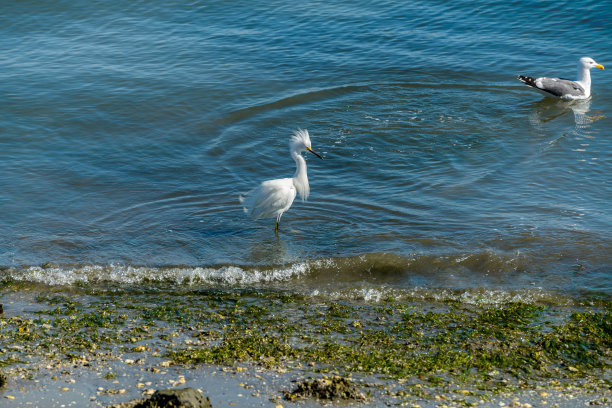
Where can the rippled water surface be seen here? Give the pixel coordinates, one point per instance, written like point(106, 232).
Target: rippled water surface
point(129, 129)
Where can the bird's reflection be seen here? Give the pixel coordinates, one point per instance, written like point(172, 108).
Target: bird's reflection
point(581, 118)
point(549, 109)
point(271, 250)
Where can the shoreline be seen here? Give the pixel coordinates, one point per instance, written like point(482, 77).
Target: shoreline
point(249, 387)
point(96, 348)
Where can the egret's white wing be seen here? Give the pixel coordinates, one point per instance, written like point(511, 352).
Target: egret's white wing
point(271, 198)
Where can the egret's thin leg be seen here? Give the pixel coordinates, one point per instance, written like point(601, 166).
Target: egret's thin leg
point(277, 222)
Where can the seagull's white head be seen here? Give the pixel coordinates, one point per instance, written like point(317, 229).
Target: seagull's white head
point(589, 63)
point(300, 141)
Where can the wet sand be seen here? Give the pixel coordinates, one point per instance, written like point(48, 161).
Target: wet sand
point(245, 386)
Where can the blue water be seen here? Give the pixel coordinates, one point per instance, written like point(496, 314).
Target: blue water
point(128, 130)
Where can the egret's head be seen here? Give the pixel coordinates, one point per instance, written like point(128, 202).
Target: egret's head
point(590, 63)
point(300, 141)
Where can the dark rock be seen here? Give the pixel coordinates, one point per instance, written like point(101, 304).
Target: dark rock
point(176, 398)
point(335, 388)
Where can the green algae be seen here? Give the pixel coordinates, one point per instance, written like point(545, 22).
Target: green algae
point(465, 344)
point(487, 349)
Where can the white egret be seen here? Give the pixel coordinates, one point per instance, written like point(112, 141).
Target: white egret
point(273, 197)
point(565, 88)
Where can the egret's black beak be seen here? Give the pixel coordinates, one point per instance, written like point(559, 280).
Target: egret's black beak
point(315, 153)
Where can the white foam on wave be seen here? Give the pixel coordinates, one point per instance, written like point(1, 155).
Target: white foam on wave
point(126, 274)
point(474, 296)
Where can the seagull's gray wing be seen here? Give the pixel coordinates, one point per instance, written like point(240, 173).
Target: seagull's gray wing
point(559, 87)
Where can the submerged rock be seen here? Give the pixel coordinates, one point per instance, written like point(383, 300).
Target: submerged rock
point(335, 388)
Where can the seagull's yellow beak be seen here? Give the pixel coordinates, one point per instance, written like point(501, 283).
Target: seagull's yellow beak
point(313, 152)
point(599, 66)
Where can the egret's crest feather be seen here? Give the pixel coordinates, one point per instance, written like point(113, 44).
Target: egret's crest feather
point(300, 137)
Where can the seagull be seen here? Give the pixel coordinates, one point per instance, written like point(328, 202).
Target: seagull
point(273, 197)
point(565, 88)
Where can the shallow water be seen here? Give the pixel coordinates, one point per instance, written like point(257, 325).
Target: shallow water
point(128, 131)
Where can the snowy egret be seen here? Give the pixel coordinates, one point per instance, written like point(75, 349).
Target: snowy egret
point(564, 88)
point(273, 197)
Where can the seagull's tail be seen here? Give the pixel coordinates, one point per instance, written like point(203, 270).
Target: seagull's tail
point(527, 80)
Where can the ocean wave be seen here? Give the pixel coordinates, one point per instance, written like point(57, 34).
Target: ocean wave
point(479, 278)
point(130, 275)
point(377, 268)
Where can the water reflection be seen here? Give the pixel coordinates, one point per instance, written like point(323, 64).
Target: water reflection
point(269, 251)
point(580, 109)
point(548, 109)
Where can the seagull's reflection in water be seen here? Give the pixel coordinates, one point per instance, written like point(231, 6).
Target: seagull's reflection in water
point(548, 109)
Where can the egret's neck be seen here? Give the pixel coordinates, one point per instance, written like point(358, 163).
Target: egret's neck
point(584, 78)
point(300, 178)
